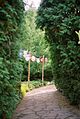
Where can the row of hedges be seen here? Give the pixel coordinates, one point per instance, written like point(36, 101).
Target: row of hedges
point(60, 19)
point(11, 13)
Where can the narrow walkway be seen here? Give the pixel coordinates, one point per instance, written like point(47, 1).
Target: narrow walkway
point(45, 103)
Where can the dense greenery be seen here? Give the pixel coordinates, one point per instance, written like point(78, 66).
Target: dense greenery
point(27, 86)
point(11, 13)
point(60, 19)
point(33, 41)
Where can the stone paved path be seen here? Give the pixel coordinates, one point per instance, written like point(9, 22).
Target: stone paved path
point(45, 103)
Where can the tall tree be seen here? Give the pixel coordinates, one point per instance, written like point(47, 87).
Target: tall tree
point(34, 42)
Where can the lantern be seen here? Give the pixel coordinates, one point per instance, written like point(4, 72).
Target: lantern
point(38, 60)
point(42, 59)
point(46, 59)
point(33, 58)
point(28, 57)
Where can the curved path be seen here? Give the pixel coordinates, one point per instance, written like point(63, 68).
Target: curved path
point(45, 103)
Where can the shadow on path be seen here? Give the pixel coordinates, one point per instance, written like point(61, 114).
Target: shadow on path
point(45, 103)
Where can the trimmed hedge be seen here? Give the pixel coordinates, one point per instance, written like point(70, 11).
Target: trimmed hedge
point(10, 19)
point(61, 19)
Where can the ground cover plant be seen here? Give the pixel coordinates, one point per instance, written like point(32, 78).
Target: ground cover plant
point(28, 86)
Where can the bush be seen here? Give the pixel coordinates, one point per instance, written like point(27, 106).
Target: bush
point(68, 70)
point(60, 19)
point(10, 20)
point(27, 86)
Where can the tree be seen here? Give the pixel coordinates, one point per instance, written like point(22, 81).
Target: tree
point(35, 43)
point(61, 19)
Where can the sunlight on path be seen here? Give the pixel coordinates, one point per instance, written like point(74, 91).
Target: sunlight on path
point(45, 103)
point(42, 91)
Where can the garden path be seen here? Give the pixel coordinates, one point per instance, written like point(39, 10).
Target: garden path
point(45, 103)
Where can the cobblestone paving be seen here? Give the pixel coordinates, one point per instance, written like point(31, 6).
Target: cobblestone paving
point(45, 103)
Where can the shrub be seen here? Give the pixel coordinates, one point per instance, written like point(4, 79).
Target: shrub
point(60, 19)
point(10, 19)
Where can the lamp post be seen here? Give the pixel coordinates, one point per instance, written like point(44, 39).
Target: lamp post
point(43, 60)
point(27, 57)
point(29, 71)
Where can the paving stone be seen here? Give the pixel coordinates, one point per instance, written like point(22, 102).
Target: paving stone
point(45, 103)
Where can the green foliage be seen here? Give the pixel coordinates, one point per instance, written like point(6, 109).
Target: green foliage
point(60, 19)
point(24, 88)
point(10, 20)
point(27, 86)
point(33, 41)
